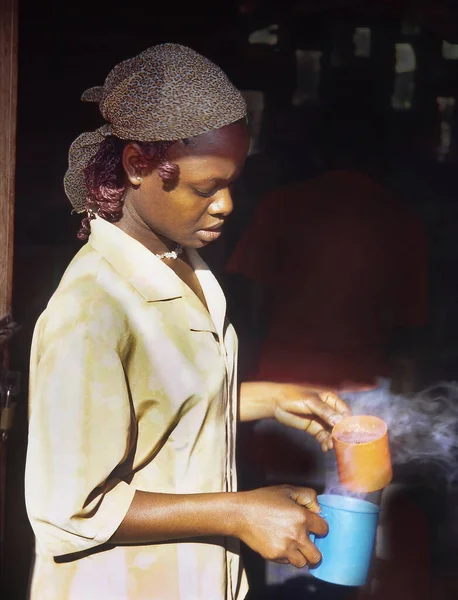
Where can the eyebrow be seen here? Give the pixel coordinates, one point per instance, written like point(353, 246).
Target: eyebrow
point(216, 181)
point(212, 180)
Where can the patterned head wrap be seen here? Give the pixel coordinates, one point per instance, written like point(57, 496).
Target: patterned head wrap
point(166, 93)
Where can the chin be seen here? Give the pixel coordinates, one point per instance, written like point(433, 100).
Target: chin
point(195, 243)
point(201, 239)
point(191, 244)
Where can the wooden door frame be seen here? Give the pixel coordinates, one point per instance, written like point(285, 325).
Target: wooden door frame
point(8, 120)
point(8, 108)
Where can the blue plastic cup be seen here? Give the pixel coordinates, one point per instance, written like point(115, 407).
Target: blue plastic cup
point(347, 548)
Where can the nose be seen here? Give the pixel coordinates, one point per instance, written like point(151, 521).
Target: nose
point(222, 204)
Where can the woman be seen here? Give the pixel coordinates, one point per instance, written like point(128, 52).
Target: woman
point(130, 478)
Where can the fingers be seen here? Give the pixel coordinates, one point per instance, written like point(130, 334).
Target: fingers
point(325, 405)
point(324, 437)
point(301, 414)
point(286, 416)
point(320, 408)
point(309, 552)
point(281, 561)
point(335, 402)
point(310, 426)
point(305, 554)
point(317, 525)
point(329, 445)
point(297, 559)
point(306, 497)
point(311, 411)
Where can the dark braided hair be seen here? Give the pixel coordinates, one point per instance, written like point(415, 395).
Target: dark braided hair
point(105, 180)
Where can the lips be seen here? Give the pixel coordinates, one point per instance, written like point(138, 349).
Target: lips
point(209, 234)
point(216, 227)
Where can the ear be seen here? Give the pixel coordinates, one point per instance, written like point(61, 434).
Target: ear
point(133, 163)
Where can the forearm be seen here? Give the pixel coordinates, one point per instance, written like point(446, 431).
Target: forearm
point(311, 410)
point(161, 517)
point(258, 400)
point(273, 521)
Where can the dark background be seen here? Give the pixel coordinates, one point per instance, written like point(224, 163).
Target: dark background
point(65, 48)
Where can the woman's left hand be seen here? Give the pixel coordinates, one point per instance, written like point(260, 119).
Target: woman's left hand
point(312, 410)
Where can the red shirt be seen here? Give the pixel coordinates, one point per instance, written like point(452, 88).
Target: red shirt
point(346, 266)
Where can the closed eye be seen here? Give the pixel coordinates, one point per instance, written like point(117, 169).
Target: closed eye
point(205, 194)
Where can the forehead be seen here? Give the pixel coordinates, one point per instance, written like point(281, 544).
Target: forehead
point(223, 150)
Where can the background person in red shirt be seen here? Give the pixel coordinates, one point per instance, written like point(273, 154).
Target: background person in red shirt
point(338, 270)
point(338, 273)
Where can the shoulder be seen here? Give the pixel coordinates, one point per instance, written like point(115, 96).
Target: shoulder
point(89, 297)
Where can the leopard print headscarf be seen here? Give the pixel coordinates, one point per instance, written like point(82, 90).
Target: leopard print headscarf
point(166, 93)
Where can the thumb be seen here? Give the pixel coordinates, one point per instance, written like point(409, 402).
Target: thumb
point(306, 498)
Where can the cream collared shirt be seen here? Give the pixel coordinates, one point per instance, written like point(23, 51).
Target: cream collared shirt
point(132, 387)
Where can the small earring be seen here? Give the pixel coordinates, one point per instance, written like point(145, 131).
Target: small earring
point(138, 178)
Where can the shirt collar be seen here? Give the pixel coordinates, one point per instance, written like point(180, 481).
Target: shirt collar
point(155, 281)
point(144, 271)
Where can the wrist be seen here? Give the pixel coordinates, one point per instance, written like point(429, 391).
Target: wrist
point(258, 400)
point(236, 517)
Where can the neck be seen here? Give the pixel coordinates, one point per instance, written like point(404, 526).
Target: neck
point(134, 226)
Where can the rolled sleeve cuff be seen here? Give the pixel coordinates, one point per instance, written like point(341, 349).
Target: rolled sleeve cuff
point(84, 533)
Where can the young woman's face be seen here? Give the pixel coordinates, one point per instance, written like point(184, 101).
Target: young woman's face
point(193, 212)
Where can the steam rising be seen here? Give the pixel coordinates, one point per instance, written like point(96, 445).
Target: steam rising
point(422, 430)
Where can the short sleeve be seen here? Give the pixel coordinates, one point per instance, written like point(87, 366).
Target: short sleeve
point(80, 434)
point(256, 254)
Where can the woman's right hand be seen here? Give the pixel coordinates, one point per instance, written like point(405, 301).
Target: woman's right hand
point(275, 522)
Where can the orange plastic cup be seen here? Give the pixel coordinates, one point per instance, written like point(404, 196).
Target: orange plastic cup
point(362, 453)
